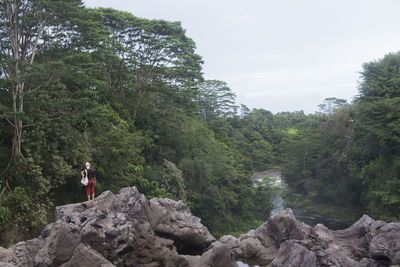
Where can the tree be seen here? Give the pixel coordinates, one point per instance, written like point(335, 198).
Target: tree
point(156, 52)
point(22, 26)
point(173, 181)
point(42, 43)
point(26, 27)
point(350, 157)
point(123, 93)
point(215, 99)
point(374, 155)
point(331, 104)
point(244, 110)
point(380, 78)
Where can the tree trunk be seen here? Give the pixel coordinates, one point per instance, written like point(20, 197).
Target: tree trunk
point(17, 138)
point(18, 108)
point(137, 105)
point(23, 46)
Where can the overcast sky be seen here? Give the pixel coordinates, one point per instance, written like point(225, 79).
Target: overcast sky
point(281, 55)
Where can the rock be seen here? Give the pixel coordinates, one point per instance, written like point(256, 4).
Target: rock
point(260, 246)
point(3, 264)
point(85, 256)
point(284, 226)
point(220, 256)
point(295, 253)
point(22, 253)
point(372, 263)
point(173, 220)
point(352, 242)
point(128, 230)
point(61, 239)
point(4, 254)
point(380, 250)
point(384, 242)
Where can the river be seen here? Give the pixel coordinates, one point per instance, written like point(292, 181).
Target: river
point(302, 215)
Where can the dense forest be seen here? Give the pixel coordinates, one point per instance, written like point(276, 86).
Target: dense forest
point(128, 95)
point(347, 156)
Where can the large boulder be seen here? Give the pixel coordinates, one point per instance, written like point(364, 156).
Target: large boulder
point(60, 240)
point(173, 220)
point(122, 230)
point(260, 246)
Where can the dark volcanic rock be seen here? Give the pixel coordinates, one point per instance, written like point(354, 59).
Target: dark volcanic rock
point(295, 253)
point(60, 243)
point(22, 253)
point(129, 230)
point(85, 256)
point(115, 230)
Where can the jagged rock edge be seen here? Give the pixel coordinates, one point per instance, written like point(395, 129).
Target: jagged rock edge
point(127, 229)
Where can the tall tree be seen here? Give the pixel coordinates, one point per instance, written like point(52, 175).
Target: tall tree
point(26, 27)
point(215, 99)
point(22, 25)
point(155, 53)
point(380, 79)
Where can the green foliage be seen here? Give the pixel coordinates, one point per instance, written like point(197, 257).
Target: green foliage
point(173, 182)
point(215, 99)
point(20, 213)
point(350, 158)
point(264, 188)
point(213, 175)
point(331, 104)
point(128, 95)
point(380, 79)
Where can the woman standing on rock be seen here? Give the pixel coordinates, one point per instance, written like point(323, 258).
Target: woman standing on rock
point(91, 175)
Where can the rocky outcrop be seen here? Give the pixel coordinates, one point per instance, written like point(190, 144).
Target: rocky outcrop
point(128, 230)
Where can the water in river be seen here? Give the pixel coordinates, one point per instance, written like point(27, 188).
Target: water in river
point(277, 200)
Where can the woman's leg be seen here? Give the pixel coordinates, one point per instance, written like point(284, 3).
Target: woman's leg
point(88, 191)
point(92, 188)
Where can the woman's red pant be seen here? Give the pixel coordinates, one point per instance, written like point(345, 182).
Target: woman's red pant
point(90, 187)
